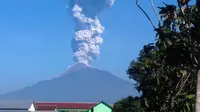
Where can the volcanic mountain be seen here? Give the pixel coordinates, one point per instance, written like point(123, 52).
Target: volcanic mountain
point(80, 83)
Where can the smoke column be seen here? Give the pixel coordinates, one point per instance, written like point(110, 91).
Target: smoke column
point(88, 29)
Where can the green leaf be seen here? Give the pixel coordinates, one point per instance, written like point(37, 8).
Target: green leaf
point(146, 103)
point(190, 96)
point(188, 107)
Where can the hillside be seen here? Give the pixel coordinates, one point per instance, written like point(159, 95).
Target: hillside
point(82, 85)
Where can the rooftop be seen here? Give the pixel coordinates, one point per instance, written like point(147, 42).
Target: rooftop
point(66, 105)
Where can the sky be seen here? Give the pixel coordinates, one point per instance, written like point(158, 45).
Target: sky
point(35, 38)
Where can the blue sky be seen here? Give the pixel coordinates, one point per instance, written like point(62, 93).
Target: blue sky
point(35, 39)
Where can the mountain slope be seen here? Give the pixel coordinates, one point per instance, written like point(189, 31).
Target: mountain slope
point(84, 85)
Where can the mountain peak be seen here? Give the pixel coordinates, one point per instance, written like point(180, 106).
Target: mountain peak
point(76, 67)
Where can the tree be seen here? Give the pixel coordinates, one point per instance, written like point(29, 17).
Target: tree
point(129, 104)
point(184, 42)
point(166, 71)
point(161, 86)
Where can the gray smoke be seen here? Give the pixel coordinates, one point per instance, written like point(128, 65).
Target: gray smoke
point(88, 29)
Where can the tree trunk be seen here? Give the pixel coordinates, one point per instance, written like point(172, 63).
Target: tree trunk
point(197, 104)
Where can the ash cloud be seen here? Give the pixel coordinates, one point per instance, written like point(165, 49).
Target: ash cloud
point(88, 29)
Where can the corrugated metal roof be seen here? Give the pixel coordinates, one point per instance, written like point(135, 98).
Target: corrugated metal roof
point(46, 107)
point(20, 104)
point(67, 105)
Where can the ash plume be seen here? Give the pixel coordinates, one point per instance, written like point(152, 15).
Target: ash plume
point(88, 29)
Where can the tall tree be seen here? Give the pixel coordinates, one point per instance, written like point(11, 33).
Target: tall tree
point(164, 88)
point(166, 71)
point(185, 24)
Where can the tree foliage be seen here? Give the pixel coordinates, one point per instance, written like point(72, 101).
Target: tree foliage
point(166, 71)
point(129, 104)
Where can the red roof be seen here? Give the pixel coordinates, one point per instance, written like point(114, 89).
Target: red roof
point(46, 108)
point(53, 106)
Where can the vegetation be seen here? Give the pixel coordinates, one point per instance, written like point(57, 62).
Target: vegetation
point(166, 71)
point(129, 104)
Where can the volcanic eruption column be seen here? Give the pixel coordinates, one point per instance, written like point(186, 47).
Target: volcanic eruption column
point(88, 29)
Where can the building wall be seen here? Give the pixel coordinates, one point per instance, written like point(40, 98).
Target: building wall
point(101, 108)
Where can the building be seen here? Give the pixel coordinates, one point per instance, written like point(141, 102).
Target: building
point(101, 107)
point(69, 107)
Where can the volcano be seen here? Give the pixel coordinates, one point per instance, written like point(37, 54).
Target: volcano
point(80, 83)
point(74, 68)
